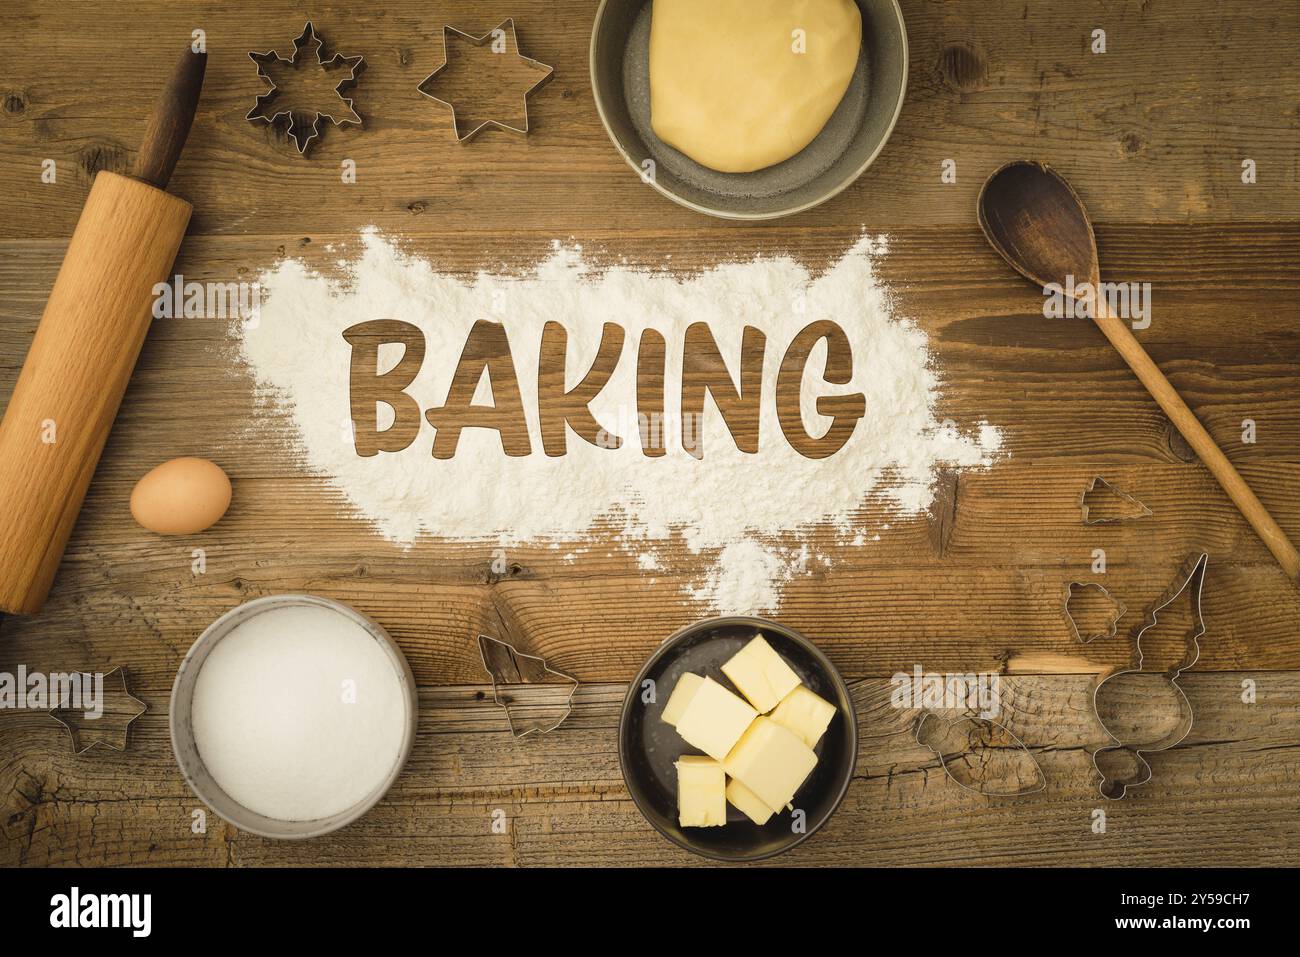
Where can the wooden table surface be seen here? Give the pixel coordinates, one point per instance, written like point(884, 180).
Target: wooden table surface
point(1153, 134)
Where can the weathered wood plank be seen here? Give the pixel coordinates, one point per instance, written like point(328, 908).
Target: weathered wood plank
point(982, 586)
point(1153, 130)
point(1055, 386)
point(117, 604)
point(1225, 796)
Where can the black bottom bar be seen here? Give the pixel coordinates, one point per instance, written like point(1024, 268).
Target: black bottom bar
point(335, 906)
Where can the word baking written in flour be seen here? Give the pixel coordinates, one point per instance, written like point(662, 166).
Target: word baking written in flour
point(560, 407)
point(75, 909)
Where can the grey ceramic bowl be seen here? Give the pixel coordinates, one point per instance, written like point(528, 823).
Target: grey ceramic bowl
point(187, 754)
point(850, 142)
point(648, 748)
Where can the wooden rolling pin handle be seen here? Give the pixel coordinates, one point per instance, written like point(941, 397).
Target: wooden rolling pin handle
point(1122, 338)
point(169, 124)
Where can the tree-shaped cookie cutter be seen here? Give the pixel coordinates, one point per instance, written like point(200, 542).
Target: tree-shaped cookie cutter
point(1099, 484)
point(264, 112)
point(506, 27)
point(502, 660)
point(1193, 585)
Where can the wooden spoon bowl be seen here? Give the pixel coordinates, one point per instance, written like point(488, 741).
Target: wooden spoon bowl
point(1038, 224)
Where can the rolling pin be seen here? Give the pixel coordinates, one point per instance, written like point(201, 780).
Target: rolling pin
point(86, 346)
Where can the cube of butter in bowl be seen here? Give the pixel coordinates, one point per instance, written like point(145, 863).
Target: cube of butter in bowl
point(737, 739)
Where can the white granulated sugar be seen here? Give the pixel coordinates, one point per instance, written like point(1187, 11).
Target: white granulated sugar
point(297, 713)
point(728, 507)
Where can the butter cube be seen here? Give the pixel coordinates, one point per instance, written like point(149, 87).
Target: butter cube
point(701, 792)
point(806, 714)
point(749, 803)
point(682, 694)
point(761, 674)
point(714, 719)
point(771, 761)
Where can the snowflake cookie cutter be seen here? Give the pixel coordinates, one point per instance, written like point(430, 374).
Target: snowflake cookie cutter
point(505, 665)
point(504, 31)
point(301, 132)
point(63, 714)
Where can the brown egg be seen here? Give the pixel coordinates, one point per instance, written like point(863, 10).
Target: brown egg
point(181, 497)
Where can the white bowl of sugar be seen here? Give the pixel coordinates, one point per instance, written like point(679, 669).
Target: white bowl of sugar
point(292, 715)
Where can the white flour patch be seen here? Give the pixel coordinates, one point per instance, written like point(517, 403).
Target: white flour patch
point(648, 562)
point(729, 507)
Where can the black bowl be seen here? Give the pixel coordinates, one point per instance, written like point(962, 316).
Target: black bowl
point(648, 748)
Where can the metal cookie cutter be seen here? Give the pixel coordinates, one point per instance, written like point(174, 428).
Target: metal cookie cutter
point(1137, 772)
point(502, 33)
point(125, 708)
point(968, 746)
point(508, 666)
point(1119, 609)
point(301, 131)
point(1099, 484)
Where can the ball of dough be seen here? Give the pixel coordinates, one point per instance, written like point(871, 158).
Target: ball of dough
point(738, 85)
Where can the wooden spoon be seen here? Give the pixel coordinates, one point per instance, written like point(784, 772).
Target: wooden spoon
point(1038, 224)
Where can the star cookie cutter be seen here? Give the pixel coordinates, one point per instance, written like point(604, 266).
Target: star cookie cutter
point(302, 133)
point(507, 665)
point(1192, 584)
point(505, 30)
point(72, 718)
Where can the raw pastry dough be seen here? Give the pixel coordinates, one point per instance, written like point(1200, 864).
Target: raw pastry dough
point(728, 87)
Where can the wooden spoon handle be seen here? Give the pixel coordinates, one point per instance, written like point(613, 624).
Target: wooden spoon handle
point(1122, 338)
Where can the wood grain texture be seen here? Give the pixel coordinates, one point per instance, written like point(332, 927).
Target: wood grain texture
point(1155, 129)
point(970, 583)
point(1232, 781)
point(1152, 134)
